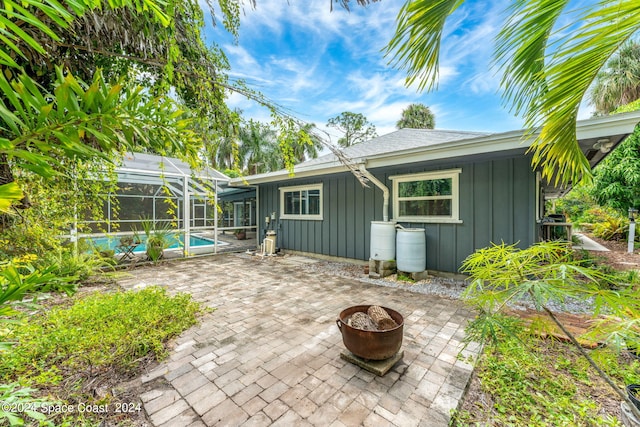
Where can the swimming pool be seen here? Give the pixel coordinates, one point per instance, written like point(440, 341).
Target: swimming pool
point(175, 241)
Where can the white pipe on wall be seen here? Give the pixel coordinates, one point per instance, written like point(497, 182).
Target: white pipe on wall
point(381, 186)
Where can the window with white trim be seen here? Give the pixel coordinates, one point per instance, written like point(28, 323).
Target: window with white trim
point(427, 197)
point(301, 202)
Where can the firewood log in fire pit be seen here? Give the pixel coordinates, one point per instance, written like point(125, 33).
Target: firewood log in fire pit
point(381, 318)
point(362, 321)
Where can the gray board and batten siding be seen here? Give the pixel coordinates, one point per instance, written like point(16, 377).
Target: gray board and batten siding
point(497, 202)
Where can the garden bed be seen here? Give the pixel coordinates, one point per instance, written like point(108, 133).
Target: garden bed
point(78, 360)
point(549, 385)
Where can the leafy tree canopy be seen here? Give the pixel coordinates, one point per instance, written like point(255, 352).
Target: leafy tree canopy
point(354, 126)
point(616, 180)
point(417, 116)
point(80, 86)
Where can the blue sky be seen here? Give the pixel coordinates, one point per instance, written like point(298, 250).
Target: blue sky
point(316, 64)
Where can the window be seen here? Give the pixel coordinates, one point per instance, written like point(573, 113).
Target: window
point(301, 202)
point(426, 197)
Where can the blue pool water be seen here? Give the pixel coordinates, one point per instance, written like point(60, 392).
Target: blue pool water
point(175, 241)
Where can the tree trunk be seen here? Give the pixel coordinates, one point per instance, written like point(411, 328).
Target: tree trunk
point(6, 177)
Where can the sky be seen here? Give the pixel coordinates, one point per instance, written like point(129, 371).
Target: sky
point(316, 63)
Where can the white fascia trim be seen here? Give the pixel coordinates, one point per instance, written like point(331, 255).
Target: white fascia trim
point(586, 129)
point(314, 170)
point(615, 124)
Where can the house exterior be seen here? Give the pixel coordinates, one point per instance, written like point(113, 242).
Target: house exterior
point(466, 189)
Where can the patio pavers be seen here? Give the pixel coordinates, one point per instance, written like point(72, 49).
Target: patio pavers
point(270, 352)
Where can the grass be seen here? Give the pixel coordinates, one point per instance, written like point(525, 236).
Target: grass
point(103, 338)
point(541, 382)
point(405, 278)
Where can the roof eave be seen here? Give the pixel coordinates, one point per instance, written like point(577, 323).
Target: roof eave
point(586, 129)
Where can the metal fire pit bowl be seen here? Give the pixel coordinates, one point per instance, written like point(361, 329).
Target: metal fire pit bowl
point(371, 345)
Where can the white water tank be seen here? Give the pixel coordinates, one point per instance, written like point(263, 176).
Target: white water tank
point(270, 243)
point(383, 241)
point(411, 247)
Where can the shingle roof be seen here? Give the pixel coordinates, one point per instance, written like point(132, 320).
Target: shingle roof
point(400, 140)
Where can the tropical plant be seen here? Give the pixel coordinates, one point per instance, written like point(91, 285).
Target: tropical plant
point(307, 144)
point(542, 274)
point(19, 279)
point(84, 122)
point(223, 151)
point(611, 227)
point(9, 193)
point(19, 400)
point(157, 238)
point(417, 116)
point(548, 55)
point(354, 126)
point(258, 148)
point(138, 57)
point(616, 181)
point(80, 266)
point(619, 82)
point(574, 204)
point(240, 233)
point(26, 140)
point(526, 380)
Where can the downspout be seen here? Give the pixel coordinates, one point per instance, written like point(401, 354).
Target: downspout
point(257, 213)
point(381, 186)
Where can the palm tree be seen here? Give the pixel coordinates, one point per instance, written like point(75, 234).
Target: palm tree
point(417, 116)
point(258, 148)
point(619, 82)
point(225, 153)
point(546, 68)
point(306, 148)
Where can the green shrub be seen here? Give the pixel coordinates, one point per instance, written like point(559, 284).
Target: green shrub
point(544, 273)
point(19, 241)
point(574, 204)
point(19, 278)
point(81, 265)
point(604, 222)
point(611, 227)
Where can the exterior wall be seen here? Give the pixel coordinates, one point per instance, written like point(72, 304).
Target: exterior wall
point(497, 203)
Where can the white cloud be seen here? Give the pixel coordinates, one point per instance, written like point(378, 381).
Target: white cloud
point(243, 59)
point(486, 82)
point(318, 63)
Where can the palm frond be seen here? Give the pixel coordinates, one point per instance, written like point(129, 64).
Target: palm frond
point(415, 47)
point(38, 18)
point(570, 70)
point(521, 48)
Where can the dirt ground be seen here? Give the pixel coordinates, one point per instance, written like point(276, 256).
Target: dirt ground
point(617, 257)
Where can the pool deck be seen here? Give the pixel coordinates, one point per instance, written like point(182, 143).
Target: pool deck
point(269, 354)
point(231, 244)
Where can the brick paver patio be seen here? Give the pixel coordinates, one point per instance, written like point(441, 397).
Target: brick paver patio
point(270, 352)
